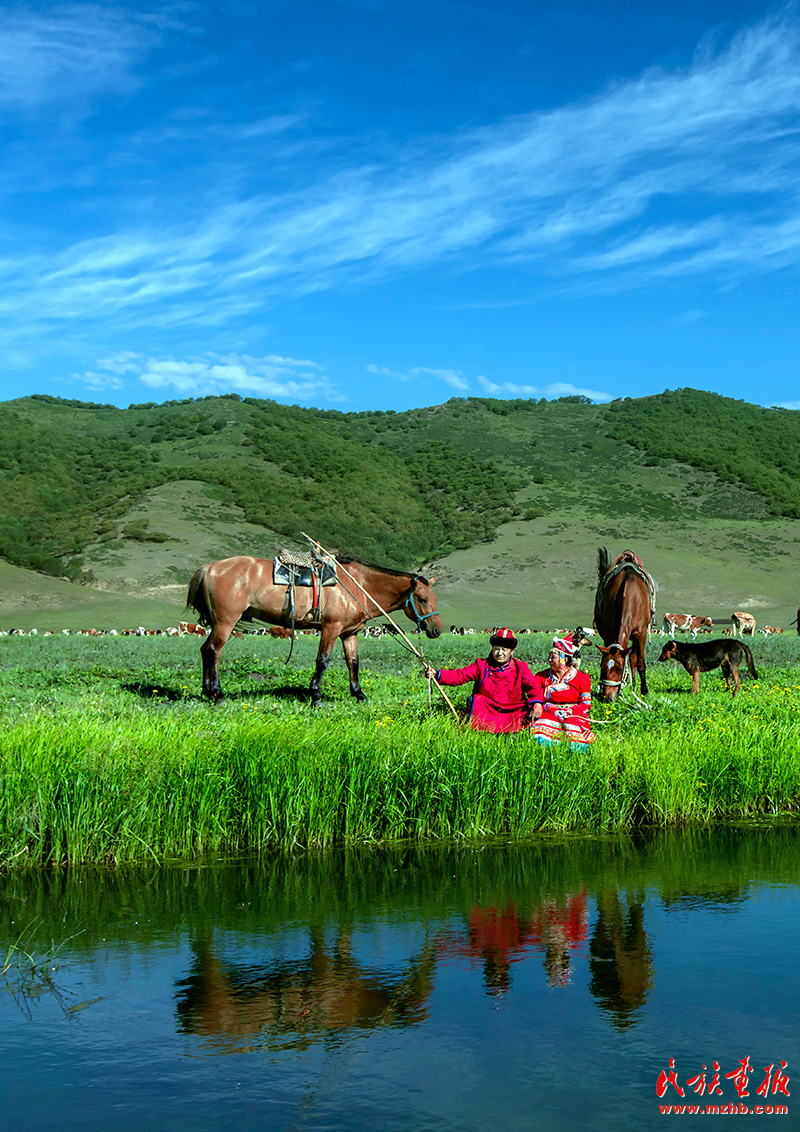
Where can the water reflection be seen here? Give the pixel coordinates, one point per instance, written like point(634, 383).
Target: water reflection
point(326, 991)
point(621, 963)
point(368, 981)
point(500, 937)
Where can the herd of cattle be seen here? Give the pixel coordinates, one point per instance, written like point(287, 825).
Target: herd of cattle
point(182, 629)
point(741, 624)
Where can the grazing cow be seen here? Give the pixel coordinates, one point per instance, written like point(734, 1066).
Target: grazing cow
point(280, 631)
point(686, 622)
point(743, 623)
point(768, 630)
point(707, 655)
point(191, 628)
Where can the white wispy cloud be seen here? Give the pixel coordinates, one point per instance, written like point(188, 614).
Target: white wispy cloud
point(787, 405)
point(677, 172)
point(507, 389)
point(384, 371)
point(69, 50)
point(450, 377)
point(271, 376)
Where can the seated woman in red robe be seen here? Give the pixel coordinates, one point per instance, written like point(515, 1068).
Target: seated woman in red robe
point(502, 686)
point(561, 699)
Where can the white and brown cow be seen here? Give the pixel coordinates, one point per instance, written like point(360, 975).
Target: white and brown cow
point(686, 622)
point(191, 628)
point(743, 623)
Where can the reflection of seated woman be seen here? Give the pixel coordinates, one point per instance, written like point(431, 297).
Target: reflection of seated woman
point(501, 688)
point(561, 698)
point(559, 928)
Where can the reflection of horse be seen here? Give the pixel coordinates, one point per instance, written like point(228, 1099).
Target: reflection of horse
point(620, 961)
point(242, 589)
point(622, 616)
point(325, 992)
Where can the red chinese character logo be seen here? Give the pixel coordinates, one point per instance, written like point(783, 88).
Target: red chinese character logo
point(670, 1078)
point(698, 1083)
point(779, 1085)
point(740, 1076)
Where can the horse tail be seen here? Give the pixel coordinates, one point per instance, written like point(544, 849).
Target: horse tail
point(603, 563)
point(749, 657)
point(196, 598)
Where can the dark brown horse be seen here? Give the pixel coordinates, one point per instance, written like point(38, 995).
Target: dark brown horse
point(241, 589)
point(622, 617)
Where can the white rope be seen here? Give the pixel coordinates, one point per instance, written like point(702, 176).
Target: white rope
point(412, 647)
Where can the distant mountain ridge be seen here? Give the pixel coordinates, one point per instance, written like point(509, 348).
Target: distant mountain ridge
point(393, 487)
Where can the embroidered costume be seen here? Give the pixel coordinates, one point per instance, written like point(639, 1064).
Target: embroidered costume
point(501, 693)
point(566, 703)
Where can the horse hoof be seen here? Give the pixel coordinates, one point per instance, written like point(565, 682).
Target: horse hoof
point(359, 697)
point(318, 702)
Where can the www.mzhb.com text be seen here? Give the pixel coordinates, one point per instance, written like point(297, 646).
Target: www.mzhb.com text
point(731, 1109)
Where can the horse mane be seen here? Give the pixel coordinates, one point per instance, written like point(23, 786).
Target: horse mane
point(603, 564)
point(350, 559)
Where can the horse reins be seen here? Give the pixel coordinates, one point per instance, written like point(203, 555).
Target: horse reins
point(627, 679)
point(616, 683)
point(409, 604)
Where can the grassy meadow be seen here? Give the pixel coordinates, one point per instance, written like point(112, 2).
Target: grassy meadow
point(108, 752)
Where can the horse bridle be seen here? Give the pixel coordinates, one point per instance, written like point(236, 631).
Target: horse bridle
point(415, 614)
point(615, 683)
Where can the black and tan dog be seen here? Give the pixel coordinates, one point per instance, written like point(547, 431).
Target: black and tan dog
point(697, 657)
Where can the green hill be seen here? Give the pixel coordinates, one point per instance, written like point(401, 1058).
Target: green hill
point(507, 499)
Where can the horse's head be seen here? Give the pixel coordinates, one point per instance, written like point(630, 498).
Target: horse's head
point(420, 606)
point(612, 668)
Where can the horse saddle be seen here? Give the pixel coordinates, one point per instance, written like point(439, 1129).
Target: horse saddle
point(293, 568)
point(632, 562)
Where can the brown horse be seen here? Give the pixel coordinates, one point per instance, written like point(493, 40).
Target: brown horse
point(241, 589)
point(622, 617)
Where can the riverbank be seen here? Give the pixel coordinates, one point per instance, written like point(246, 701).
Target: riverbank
point(107, 753)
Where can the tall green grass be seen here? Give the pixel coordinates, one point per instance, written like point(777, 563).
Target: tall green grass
point(107, 752)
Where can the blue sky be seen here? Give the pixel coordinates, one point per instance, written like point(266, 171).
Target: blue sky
point(361, 205)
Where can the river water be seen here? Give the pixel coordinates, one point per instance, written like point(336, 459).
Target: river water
point(541, 986)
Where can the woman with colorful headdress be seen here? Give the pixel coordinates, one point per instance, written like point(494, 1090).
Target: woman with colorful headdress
point(561, 699)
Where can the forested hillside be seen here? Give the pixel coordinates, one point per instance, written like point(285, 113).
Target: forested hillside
point(743, 444)
point(400, 488)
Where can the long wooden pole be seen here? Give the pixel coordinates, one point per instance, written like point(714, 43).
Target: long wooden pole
point(329, 554)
